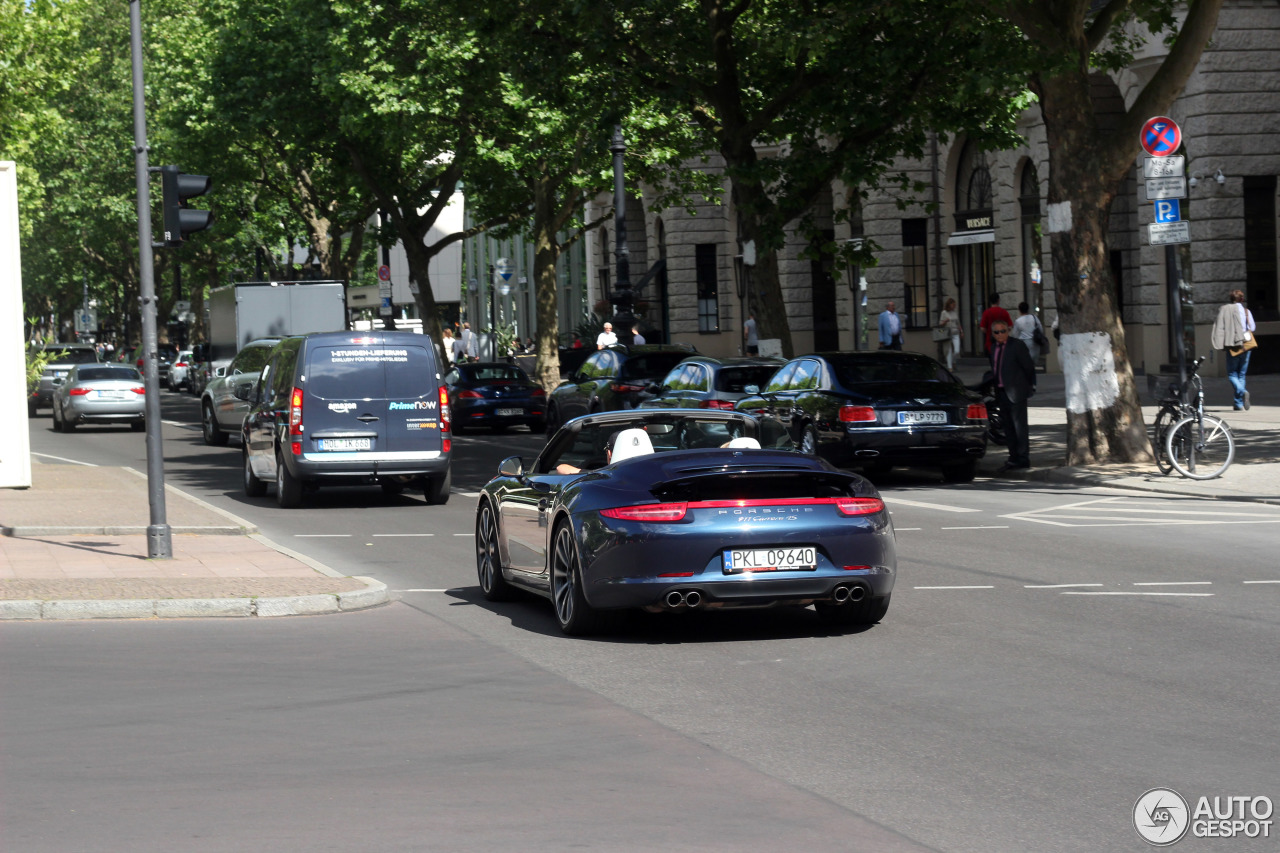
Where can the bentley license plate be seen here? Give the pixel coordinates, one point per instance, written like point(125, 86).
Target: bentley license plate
point(345, 443)
point(922, 417)
point(803, 559)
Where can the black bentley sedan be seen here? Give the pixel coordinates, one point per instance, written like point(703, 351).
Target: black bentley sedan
point(873, 410)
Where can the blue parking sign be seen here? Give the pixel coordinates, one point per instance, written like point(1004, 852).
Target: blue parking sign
point(1168, 210)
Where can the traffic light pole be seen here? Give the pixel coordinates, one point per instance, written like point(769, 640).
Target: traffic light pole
point(159, 538)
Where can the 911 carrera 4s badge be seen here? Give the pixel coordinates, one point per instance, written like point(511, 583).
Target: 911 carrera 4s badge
point(740, 561)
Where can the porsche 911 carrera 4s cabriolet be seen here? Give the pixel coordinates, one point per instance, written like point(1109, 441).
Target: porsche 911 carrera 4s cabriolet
point(679, 509)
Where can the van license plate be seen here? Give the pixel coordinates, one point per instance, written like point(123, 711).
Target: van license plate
point(346, 444)
point(737, 562)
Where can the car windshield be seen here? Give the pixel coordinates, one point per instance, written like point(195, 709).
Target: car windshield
point(71, 356)
point(495, 372)
point(126, 374)
point(862, 370)
point(734, 380)
point(587, 447)
point(651, 365)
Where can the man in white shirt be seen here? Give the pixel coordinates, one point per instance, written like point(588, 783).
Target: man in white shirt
point(606, 338)
point(751, 341)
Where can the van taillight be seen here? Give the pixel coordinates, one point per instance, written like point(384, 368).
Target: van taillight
point(295, 419)
point(446, 420)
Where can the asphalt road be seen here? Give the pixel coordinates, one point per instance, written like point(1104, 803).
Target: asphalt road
point(1050, 655)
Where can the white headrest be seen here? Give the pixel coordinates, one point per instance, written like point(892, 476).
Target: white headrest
point(631, 442)
point(744, 441)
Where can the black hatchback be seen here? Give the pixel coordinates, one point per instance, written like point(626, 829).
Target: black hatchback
point(873, 410)
point(348, 408)
point(707, 382)
point(613, 378)
point(495, 395)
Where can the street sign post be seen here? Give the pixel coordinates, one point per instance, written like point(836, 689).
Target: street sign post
point(1170, 166)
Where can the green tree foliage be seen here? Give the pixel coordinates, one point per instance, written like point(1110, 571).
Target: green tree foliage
point(794, 97)
point(1092, 149)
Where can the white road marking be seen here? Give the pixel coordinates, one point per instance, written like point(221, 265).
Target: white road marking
point(980, 527)
point(1057, 585)
point(1184, 594)
point(64, 459)
point(464, 494)
point(376, 535)
point(900, 529)
point(464, 534)
point(1102, 512)
point(323, 535)
point(1173, 583)
point(1260, 581)
point(953, 587)
point(923, 505)
point(419, 590)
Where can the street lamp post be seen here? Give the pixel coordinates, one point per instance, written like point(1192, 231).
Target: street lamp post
point(622, 297)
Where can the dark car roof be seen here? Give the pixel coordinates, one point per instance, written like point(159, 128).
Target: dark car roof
point(644, 348)
point(739, 361)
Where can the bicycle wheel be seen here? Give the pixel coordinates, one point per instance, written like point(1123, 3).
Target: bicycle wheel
point(1158, 430)
point(1200, 450)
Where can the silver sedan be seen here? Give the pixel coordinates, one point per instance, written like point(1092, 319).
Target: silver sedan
point(100, 394)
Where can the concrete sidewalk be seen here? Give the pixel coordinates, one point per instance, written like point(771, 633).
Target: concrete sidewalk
point(1253, 476)
point(74, 546)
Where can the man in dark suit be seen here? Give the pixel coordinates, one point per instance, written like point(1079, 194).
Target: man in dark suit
point(1015, 380)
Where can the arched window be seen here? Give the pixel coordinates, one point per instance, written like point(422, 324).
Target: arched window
point(973, 190)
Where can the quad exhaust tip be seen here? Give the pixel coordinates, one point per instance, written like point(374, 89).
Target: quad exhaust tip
point(677, 599)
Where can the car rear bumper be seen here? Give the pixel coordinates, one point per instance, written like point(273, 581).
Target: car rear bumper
point(733, 591)
point(338, 468)
point(914, 445)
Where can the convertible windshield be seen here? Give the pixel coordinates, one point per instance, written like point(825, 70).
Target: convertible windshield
point(587, 450)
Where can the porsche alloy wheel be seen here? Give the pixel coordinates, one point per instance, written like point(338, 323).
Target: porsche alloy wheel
point(493, 585)
point(575, 615)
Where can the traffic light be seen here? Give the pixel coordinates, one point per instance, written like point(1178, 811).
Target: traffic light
point(180, 220)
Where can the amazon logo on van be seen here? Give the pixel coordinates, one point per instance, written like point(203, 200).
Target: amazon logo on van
point(419, 404)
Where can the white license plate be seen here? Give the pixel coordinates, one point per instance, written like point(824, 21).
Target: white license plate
point(922, 417)
point(345, 443)
point(509, 413)
point(803, 559)
point(110, 395)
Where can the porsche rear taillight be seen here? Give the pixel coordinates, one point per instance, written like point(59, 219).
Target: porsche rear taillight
point(648, 512)
point(859, 506)
point(446, 421)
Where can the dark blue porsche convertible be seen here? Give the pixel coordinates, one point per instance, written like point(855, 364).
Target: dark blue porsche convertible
point(679, 509)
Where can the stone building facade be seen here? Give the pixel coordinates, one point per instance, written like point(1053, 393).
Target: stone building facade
point(988, 233)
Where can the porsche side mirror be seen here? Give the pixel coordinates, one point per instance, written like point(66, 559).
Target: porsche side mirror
point(512, 466)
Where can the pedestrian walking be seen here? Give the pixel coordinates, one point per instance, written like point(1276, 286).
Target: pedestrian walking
point(1025, 329)
point(1014, 374)
point(890, 328)
point(637, 339)
point(949, 320)
point(993, 313)
point(449, 342)
point(750, 340)
point(1235, 332)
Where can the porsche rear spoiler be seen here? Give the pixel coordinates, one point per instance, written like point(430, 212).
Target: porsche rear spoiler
point(754, 482)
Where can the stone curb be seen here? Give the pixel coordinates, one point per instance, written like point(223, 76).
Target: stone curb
point(373, 595)
point(1085, 477)
point(117, 530)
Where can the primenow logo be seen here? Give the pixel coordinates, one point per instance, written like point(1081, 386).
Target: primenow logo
point(418, 404)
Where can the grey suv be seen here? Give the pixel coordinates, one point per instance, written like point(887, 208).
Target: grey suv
point(348, 408)
point(222, 405)
point(65, 357)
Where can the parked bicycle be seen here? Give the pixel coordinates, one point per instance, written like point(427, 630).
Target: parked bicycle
point(1187, 440)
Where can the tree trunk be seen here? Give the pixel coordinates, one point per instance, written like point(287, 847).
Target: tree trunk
point(546, 254)
point(1104, 415)
point(419, 259)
